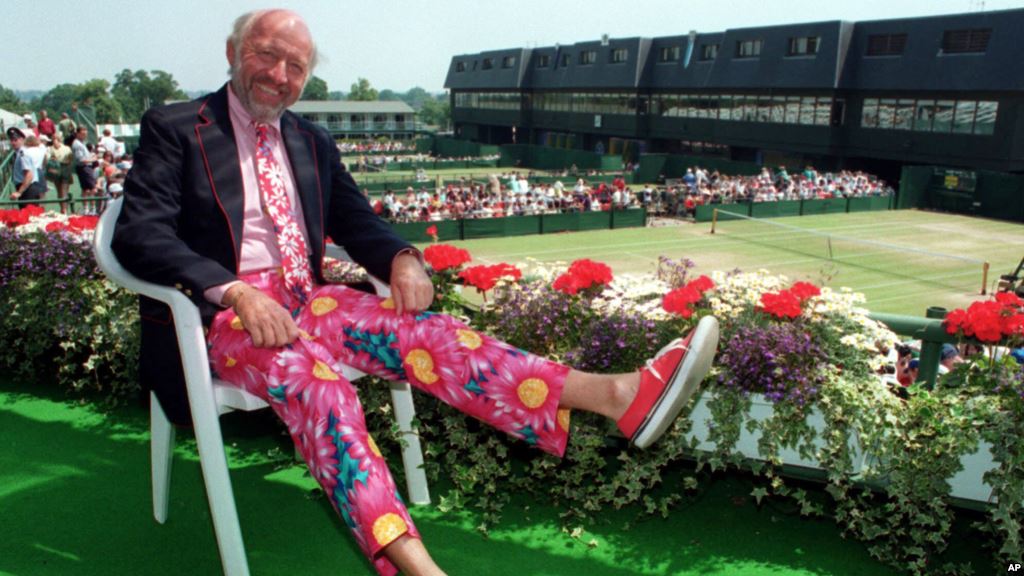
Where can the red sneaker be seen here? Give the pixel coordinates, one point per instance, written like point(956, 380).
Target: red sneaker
point(668, 382)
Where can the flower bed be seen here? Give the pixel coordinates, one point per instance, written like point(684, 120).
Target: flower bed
point(796, 383)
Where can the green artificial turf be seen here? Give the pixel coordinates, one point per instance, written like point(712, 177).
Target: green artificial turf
point(74, 499)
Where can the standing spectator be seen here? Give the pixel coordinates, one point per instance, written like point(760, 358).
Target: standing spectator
point(85, 167)
point(46, 126)
point(29, 159)
point(110, 144)
point(59, 168)
point(30, 126)
point(67, 128)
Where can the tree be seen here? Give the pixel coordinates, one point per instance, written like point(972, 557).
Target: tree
point(436, 112)
point(362, 90)
point(388, 95)
point(9, 100)
point(93, 93)
point(335, 95)
point(137, 91)
point(316, 89)
point(415, 97)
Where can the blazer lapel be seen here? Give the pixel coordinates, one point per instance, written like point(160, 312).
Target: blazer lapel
point(302, 153)
point(217, 144)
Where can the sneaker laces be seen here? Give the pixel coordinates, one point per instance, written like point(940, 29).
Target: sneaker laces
point(649, 363)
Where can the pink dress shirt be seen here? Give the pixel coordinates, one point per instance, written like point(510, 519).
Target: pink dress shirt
point(259, 243)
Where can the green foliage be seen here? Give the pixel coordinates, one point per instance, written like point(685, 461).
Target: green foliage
point(9, 100)
point(436, 112)
point(362, 91)
point(316, 89)
point(93, 93)
point(80, 332)
point(137, 91)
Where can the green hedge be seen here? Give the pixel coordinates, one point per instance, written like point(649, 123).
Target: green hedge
point(794, 207)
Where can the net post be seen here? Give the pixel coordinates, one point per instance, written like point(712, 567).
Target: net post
point(984, 277)
point(714, 219)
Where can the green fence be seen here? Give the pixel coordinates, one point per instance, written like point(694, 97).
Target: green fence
point(972, 192)
point(794, 207)
point(548, 158)
point(470, 229)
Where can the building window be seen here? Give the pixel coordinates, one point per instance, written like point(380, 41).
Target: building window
point(460, 66)
point(748, 48)
point(543, 61)
point(669, 53)
point(927, 115)
point(566, 60)
point(803, 46)
point(488, 63)
point(588, 56)
point(985, 117)
point(508, 61)
point(709, 51)
point(965, 41)
point(618, 55)
point(886, 44)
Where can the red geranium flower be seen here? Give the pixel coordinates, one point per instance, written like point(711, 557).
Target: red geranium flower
point(483, 278)
point(79, 223)
point(583, 274)
point(679, 301)
point(432, 231)
point(989, 321)
point(805, 290)
point(445, 256)
point(784, 304)
point(702, 284)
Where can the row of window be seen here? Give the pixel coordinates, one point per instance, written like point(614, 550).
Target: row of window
point(810, 110)
point(922, 115)
point(588, 102)
point(487, 100)
point(966, 41)
point(926, 115)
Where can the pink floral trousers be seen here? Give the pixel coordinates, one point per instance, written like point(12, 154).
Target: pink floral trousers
point(492, 381)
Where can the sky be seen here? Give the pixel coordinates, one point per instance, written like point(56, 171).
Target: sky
point(395, 44)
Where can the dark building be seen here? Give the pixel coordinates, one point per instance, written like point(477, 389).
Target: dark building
point(942, 90)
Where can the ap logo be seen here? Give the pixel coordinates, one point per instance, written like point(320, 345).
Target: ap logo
point(1013, 568)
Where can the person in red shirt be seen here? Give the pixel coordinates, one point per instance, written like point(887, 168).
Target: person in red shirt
point(46, 126)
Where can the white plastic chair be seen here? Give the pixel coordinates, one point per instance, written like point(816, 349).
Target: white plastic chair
point(209, 398)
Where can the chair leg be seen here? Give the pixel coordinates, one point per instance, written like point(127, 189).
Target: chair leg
point(412, 452)
point(218, 491)
point(161, 454)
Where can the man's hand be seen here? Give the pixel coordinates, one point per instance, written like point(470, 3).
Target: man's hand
point(411, 289)
point(267, 322)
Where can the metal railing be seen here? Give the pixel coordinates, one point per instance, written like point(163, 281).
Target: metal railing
point(929, 331)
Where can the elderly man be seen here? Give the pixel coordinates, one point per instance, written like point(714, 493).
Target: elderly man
point(230, 200)
point(29, 166)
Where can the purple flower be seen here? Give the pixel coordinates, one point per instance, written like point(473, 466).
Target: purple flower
point(779, 361)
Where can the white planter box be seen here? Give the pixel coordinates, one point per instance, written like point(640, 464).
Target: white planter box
point(761, 410)
point(968, 483)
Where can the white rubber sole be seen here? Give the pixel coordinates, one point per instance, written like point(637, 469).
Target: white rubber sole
point(683, 384)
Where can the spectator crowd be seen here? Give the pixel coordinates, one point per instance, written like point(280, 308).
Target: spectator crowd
point(512, 194)
point(46, 151)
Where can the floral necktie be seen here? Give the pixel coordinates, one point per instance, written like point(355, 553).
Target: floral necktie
point(298, 277)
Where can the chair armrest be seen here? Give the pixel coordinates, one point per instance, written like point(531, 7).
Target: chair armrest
point(339, 253)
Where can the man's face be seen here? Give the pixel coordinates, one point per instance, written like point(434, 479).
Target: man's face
point(270, 69)
point(81, 135)
point(16, 142)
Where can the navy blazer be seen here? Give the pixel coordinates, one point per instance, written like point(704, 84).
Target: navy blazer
point(181, 223)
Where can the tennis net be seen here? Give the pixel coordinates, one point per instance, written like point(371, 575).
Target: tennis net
point(949, 271)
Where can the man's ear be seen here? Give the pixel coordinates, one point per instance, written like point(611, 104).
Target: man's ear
point(230, 53)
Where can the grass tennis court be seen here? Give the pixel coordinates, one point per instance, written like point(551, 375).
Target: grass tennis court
point(895, 282)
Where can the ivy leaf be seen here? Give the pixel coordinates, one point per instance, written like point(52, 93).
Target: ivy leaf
point(759, 493)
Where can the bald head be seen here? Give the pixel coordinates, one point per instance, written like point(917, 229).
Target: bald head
point(272, 55)
point(244, 24)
